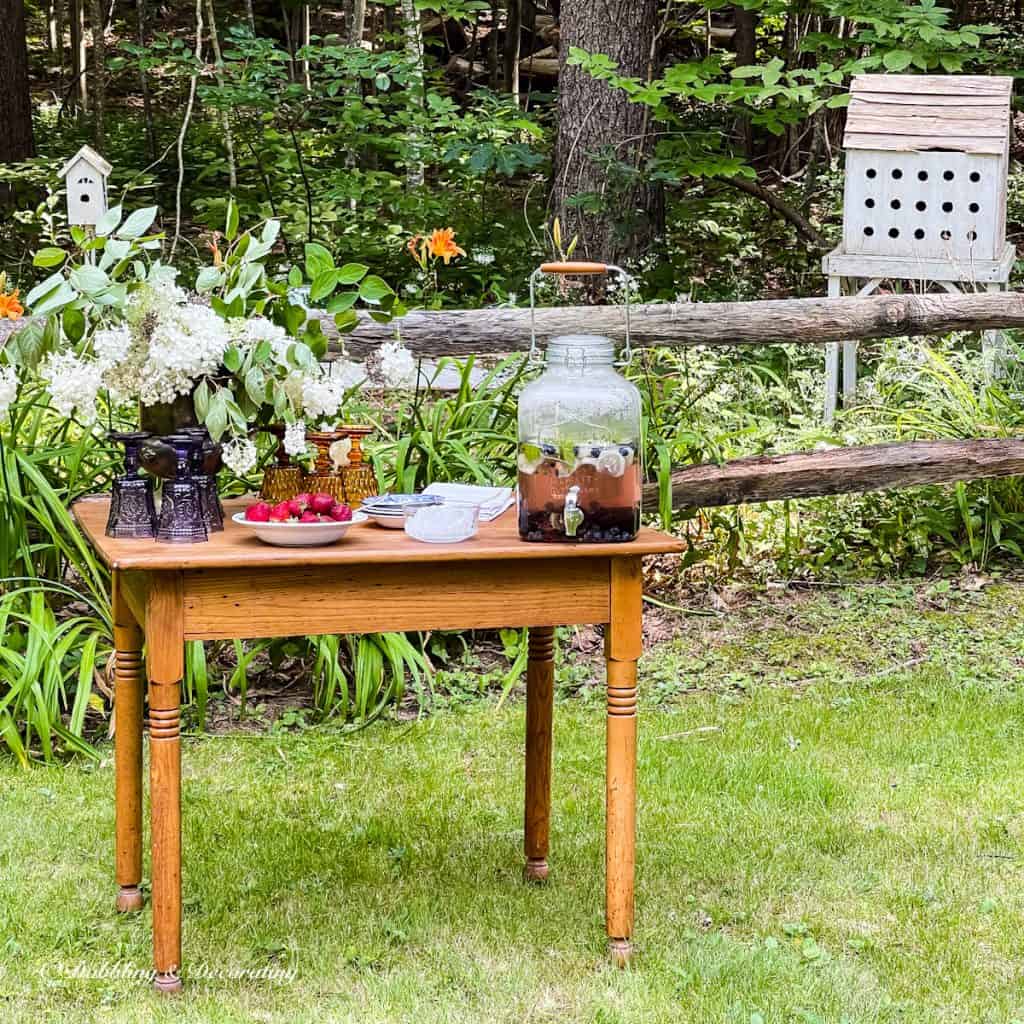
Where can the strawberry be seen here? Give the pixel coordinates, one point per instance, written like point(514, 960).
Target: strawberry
point(340, 513)
point(309, 517)
point(258, 513)
point(321, 503)
point(280, 513)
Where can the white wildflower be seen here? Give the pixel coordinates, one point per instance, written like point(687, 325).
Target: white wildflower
point(73, 384)
point(397, 365)
point(111, 345)
point(239, 455)
point(8, 388)
point(295, 438)
point(349, 373)
point(484, 257)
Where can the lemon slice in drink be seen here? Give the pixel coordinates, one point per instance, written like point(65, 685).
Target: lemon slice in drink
point(612, 462)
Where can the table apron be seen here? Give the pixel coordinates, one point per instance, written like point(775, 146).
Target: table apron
point(249, 603)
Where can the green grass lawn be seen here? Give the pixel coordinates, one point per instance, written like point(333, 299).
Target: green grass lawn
point(831, 815)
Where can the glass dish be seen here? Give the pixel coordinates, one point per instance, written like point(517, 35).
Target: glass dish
point(449, 523)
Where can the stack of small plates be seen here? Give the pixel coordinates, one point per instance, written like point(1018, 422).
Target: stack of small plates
point(388, 509)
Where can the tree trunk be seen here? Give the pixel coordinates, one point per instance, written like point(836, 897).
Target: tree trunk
point(745, 42)
point(414, 51)
point(147, 101)
point(79, 65)
point(597, 122)
point(357, 25)
point(513, 40)
point(870, 467)
point(97, 15)
point(16, 141)
point(225, 118)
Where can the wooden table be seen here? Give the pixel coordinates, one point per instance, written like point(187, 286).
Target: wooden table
point(376, 580)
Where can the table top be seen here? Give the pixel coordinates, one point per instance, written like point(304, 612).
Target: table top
point(368, 543)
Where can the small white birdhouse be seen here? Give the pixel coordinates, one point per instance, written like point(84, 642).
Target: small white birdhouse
point(926, 163)
point(85, 176)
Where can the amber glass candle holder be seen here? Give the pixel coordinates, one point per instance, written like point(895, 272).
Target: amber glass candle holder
point(358, 476)
point(282, 481)
point(324, 479)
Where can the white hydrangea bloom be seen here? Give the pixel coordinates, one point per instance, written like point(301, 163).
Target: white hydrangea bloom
point(112, 345)
point(249, 333)
point(186, 344)
point(322, 395)
point(397, 365)
point(239, 455)
point(8, 388)
point(158, 297)
point(295, 438)
point(73, 384)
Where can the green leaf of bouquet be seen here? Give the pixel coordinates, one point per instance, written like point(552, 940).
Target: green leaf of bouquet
point(233, 359)
point(208, 279)
point(216, 418)
point(295, 277)
point(55, 300)
point(49, 257)
point(89, 280)
point(106, 224)
point(255, 385)
point(73, 322)
point(138, 223)
point(201, 399)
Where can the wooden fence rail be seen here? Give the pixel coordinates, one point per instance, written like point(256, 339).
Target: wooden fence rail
point(804, 321)
point(870, 467)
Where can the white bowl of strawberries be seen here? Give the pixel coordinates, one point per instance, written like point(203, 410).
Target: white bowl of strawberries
point(308, 520)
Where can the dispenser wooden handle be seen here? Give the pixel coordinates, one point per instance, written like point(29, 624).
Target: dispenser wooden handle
point(574, 267)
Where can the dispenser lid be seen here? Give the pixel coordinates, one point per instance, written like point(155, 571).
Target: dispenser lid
point(591, 348)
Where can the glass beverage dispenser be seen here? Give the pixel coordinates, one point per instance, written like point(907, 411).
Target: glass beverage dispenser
point(579, 440)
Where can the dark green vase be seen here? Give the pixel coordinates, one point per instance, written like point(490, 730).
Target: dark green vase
point(168, 417)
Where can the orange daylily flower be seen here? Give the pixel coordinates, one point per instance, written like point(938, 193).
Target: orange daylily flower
point(10, 307)
point(442, 243)
point(413, 245)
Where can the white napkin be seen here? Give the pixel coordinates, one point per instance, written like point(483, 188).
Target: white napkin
point(492, 500)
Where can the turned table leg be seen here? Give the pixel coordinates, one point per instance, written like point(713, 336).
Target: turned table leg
point(165, 660)
point(128, 671)
point(540, 693)
point(623, 646)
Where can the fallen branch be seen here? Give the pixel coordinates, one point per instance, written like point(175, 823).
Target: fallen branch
point(841, 471)
point(803, 226)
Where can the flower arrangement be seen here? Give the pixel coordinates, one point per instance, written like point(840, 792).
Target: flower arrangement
point(112, 321)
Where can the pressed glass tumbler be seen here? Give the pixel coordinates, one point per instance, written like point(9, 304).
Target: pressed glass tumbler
point(181, 512)
point(132, 507)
